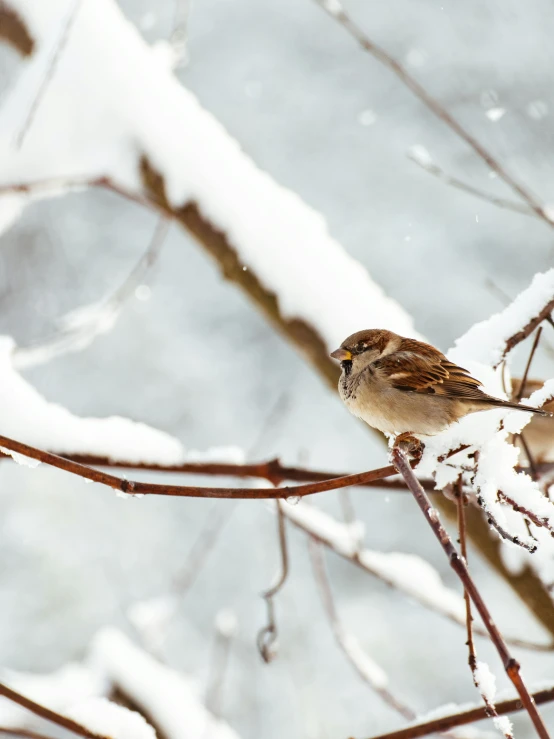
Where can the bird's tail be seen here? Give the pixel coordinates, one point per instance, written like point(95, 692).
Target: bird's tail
point(520, 407)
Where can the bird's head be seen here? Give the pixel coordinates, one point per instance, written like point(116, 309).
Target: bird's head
point(364, 347)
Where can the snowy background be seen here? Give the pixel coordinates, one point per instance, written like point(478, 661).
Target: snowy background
point(195, 359)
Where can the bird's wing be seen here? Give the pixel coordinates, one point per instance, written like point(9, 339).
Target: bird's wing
point(429, 371)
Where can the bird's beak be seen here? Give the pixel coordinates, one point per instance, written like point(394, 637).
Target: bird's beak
point(343, 355)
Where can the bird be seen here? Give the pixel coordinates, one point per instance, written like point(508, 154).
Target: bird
point(405, 387)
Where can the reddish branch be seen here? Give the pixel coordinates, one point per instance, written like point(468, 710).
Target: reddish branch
point(191, 491)
point(445, 723)
point(49, 715)
point(460, 568)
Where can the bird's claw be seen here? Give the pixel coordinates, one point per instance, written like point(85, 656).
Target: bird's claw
point(410, 445)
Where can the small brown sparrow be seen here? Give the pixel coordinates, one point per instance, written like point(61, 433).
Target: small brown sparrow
point(403, 386)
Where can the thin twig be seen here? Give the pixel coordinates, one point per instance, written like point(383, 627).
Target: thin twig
point(48, 714)
point(60, 45)
point(532, 548)
point(218, 516)
point(527, 330)
point(436, 171)
point(343, 639)
point(337, 12)
point(518, 508)
point(472, 657)
point(267, 637)
point(23, 733)
point(528, 365)
point(77, 334)
point(459, 566)
point(472, 653)
point(462, 718)
point(356, 556)
point(144, 488)
point(272, 470)
point(218, 665)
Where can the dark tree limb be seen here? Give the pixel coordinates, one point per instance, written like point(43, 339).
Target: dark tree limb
point(14, 31)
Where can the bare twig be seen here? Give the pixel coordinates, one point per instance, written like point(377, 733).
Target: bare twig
point(272, 471)
point(49, 715)
point(267, 637)
point(530, 547)
point(472, 658)
point(219, 662)
point(23, 733)
point(518, 508)
point(536, 340)
point(472, 654)
point(146, 488)
point(462, 718)
point(356, 556)
point(459, 566)
point(79, 333)
point(178, 36)
point(527, 330)
point(436, 171)
point(337, 12)
point(60, 45)
point(203, 545)
point(344, 639)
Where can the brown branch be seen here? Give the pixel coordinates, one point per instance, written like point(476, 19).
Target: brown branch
point(459, 566)
point(472, 653)
point(273, 471)
point(326, 594)
point(14, 31)
point(23, 733)
point(488, 197)
point(472, 656)
point(531, 515)
point(49, 715)
point(434, 106)
point(527, 330)
point(191, 491)
point(267, 637)
point(536, 340)
point(462, 718)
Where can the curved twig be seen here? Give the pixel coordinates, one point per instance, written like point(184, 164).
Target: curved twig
point(48, 714)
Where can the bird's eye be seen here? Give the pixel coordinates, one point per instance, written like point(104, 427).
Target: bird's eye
point(361, 346)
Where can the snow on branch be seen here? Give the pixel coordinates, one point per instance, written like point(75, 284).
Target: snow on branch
point(118, 122)
point(30, 417)
point(71, 684)
point(489, 341)
point(480, 449)
point(166, 696)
